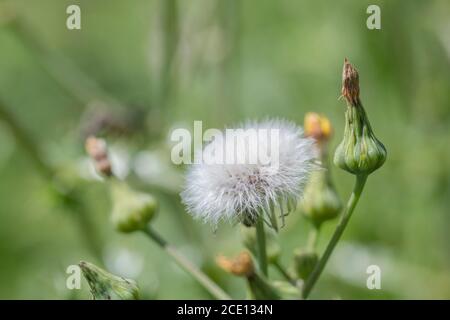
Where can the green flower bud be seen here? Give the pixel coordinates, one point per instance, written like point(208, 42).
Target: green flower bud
point(272, 245)
point(132, 210)
point(320, 201)
point(106, 286)
point(360, 152)
point(304, 262)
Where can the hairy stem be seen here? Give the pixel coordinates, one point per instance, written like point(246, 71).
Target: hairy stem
point(188, 266)
point(261, 246)
point(357, 190)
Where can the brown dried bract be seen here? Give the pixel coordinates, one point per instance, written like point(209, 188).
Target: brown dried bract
point(242, 265)
point(350, 83)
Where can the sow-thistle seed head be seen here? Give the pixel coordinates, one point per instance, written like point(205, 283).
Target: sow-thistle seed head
point(241, 192)
point(360, 152)
point(106, 286)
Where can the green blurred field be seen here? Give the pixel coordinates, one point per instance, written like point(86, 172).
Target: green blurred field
point(223, 62)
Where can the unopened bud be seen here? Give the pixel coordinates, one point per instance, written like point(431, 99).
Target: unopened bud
point(320, 200)
point(360, 152)
point(106, 286)
point(132, 210)
point(317, 126)
point(304, 262)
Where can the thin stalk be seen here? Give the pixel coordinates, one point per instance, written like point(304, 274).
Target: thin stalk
point(25, 140)
point(67, 74)
point(284, 273)
point(169, 16)
point(261, 246)
point(188, 266)
point(312, 238)
point(357, 190)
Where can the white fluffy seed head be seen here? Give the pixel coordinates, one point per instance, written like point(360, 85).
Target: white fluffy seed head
point(237, 191)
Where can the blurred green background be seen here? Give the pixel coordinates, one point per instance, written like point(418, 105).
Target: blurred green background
point(137, 69)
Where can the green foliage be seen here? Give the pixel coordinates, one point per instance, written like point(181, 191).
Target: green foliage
point(236, 60)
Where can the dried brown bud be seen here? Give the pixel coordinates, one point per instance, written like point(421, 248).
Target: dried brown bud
point(98, 151)
point(103, 166)
point(242, 265)
point(350, 83)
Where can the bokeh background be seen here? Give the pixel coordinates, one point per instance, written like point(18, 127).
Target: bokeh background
point(137, 69)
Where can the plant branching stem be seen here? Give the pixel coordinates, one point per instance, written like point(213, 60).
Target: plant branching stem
point(188, 266)
point(357, 190)
point(261, 245)
point(284, 273)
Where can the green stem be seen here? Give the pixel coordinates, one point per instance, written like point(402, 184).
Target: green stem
point(357, 190)
point(312, 239)
point(284, 273)
point(169, 16)
point(26, 142)
point(261, 246)
point(68, 75)
point(188, 266)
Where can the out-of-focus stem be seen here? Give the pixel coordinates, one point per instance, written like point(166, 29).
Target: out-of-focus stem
point(71, 200)
point(357, 190)
point(26, 142)
point(169, 14)
point(284, 273)
point(261, 246)
point(188, 266)
point(312, 238)
point(71, 79)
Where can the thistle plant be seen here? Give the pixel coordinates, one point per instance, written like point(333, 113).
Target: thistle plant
point(252, 193)
point(360, 153)
point(258, 196)
point(133, 211)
